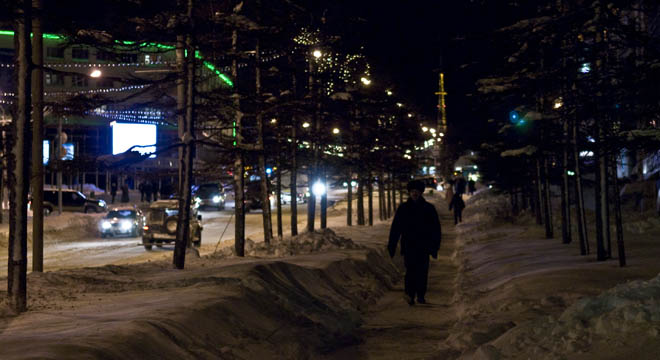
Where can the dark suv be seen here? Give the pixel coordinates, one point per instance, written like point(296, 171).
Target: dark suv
point(72, 200)
point(161, 224)
point(210, 195)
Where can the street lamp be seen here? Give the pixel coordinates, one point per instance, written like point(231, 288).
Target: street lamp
point(365, 81)
point(95, 73)
point(317, 53)
point(305, 124)
point(335, 131)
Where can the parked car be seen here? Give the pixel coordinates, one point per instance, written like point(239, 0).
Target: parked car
point(122, 221)
point(162, 223)
point(72, 200)
point(210, 195)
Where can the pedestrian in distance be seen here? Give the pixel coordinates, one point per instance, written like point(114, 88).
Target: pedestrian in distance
point(154, 189)
point(113, 191)
point(124, 193)
point(141, 188)
point(147, 191)
point(458, 205)
point(417, 225)
point(471, 186)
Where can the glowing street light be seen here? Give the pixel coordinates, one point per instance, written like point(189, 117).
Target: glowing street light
point(389, 92)
point(559, 102)
point(425, 129)
point(335, 131)
point(305, 124)
point(399, 104)
point(365, 81)
point(95, 73)
point(317, 53)
point(318, 188)
point(273, 121)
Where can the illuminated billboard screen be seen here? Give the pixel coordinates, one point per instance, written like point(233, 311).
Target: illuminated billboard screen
point(126, 135)
point(46, 151)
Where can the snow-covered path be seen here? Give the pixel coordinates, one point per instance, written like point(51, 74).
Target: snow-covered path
point(394, 330)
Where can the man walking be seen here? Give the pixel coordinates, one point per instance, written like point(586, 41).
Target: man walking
point(458, 205)
point(416, 223)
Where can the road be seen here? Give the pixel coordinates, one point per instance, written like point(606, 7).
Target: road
point(66, 249)
point(69, 247)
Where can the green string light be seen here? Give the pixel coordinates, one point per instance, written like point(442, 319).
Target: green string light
point(210, 66)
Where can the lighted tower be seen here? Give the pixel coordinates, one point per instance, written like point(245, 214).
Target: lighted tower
point(441, 124)
point(442, 107)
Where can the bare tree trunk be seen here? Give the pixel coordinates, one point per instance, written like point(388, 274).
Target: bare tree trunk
point(180, 101)
point(265, 189)
point(565, 191)
point(294, 178)
point(388, 188)
point(360, 199)
point(400, 193)
point(239, 200)
point(394, 186)
point(539, 192)
point(349, 200)
point(311, 178)
point(370, 189)
point(239, 194)
point(381, 197)
point(600, 247)
point(547, 201)
point(324, 199)
point(19, 166)
point(618, 218)
point(37, 180)
point(294, 164)
point(579, 197)
point(280, 231)
point(183, 235)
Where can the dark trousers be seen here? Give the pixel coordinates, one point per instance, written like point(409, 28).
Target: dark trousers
point(458, 216)
point(417, 274)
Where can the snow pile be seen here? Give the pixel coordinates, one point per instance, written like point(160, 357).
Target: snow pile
point(641, 224)
point(305, 243)
point(624, 317)
point(486, 207)
point(216, 308)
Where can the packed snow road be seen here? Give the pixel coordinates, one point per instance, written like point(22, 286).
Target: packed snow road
point(72, 240)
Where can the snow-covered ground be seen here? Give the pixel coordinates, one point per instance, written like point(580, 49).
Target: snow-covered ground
point(500, 291)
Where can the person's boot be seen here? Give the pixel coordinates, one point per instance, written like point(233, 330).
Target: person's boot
point(409, 299)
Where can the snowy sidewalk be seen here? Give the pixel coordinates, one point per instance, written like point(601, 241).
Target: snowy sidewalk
point(394, 330)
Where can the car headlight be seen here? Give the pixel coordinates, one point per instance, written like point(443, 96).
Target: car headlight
point(101, 203)
point(106, 225)
point(126, 225)
point(197, 199)
point(216, 199)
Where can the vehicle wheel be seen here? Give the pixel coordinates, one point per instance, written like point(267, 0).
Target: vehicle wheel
point(47, 211)
point(147, 243)
point(171, 225)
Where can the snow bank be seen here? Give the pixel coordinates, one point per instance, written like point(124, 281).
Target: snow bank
point(622, 319)
point(219, 307)
point(304, 243)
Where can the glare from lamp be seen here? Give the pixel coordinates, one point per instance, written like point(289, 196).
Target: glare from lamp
point(95, 73)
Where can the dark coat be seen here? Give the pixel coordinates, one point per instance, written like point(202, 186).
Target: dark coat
point(418, 226)
point(457, 203)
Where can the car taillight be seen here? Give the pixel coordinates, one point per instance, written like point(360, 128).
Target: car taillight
point(145, 228)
